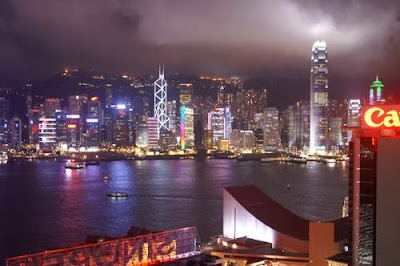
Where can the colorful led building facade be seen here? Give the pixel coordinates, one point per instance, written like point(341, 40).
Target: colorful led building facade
point(187, 127)
point(376, 92)
point(319, 98)
point(160, 103)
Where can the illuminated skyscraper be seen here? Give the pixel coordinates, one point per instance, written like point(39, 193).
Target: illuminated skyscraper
point(271, 129)
point(248, 103)
point(47, 133)
point(16, 132)
point(220, 123)
point(185, 94)
point(120, 125)
point(50, 106)
point(109, 96)
point(171, 113)
point(319, 98)
point(217, 124)
point(152, 131)
point(353, 116)
point(296, 125)
point(76, 104)
point(4, 120)
point(94, 120)
point(160, 102)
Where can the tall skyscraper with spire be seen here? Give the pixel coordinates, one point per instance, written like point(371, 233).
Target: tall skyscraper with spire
point(319, 98)
point(160, 102)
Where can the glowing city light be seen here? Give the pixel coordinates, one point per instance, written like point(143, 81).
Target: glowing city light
point(121, 106)
point(183, 111)
point(73, 116)
point(92, 120)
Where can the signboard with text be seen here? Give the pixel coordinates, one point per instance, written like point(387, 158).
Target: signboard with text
point(381, 117)
point(147, 249)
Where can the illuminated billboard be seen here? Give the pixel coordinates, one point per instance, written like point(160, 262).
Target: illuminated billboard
point(148, 249)
point(381, 117)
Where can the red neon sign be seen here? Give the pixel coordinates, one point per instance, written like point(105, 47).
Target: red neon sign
point(151, 249)
point(381, 116)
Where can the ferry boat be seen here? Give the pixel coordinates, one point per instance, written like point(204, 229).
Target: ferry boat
point(297, 159)
point(73, 165)
point(92, 163)
point(117, 195)
point(330, 160)
point(273, 159)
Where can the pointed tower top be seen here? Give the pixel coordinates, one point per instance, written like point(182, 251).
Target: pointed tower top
point(160, 71)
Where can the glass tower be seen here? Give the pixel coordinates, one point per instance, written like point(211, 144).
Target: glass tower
point(319, 98)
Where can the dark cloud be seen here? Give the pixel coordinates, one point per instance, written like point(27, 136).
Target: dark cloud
point(258, 37)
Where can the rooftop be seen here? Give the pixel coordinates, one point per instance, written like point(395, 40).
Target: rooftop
point(271, 213)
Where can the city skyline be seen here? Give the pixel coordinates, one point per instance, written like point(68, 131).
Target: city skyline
point(219, 132)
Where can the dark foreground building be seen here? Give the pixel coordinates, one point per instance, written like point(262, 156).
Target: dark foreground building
point(374, 200)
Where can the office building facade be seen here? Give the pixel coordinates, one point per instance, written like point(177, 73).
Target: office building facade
point(319, 98)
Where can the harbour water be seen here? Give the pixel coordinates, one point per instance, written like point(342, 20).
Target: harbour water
point(44, 206)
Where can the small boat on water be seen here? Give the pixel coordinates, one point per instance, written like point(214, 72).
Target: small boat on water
point(73, 165)
point(298, 159)
point(117, 195)
point(92, 163)
point(330, 160)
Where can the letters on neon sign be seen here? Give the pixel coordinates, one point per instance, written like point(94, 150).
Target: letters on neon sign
point(142, 250)
point(381, 116)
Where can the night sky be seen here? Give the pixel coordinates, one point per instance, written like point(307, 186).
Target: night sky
point(244, 38)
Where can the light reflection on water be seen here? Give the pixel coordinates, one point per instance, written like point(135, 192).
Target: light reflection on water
point(45, 206)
